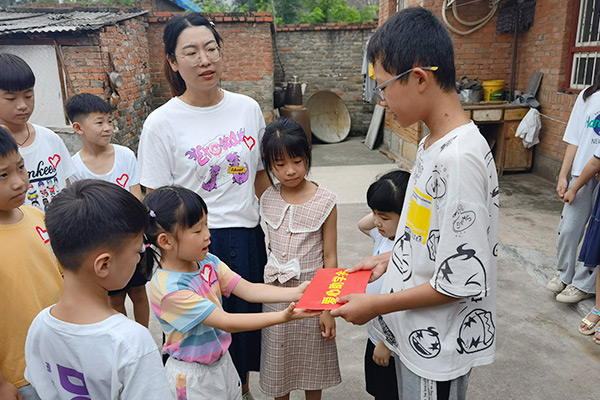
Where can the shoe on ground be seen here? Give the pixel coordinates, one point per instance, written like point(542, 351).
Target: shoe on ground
point(572, 295)
point(247, 396)
point(556, 285)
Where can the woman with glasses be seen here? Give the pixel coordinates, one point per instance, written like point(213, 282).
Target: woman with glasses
point(207, 139)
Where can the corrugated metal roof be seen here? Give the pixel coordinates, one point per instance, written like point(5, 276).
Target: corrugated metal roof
point(59, 20)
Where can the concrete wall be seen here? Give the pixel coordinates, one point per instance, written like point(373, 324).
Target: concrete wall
point(327, 57)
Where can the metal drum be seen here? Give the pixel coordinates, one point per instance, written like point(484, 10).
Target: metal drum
point(329, 116)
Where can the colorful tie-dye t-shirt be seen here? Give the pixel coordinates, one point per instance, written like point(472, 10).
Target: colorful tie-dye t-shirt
point(182, 300)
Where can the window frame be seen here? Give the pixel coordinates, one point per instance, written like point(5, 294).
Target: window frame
point(574, 49)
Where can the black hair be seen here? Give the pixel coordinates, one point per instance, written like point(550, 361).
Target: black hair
point(83, 104)
point(171, 209)
point(8, 144)
point(594, 88)
point(16, 75)
point(173, 29)
point(414, 37)
point(284, 136)
point(91, 214)
point(386, 194)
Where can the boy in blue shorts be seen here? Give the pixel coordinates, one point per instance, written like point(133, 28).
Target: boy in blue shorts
point(47, 159)
point(99, 159)
point(438, 298)
point(29, 272)
point(80, 347)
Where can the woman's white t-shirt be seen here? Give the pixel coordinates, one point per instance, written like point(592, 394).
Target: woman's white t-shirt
point(583, 130)
point(214, 151)
point(124, 171)
point(48, 165)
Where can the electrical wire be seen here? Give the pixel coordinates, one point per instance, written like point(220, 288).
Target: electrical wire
point(476, 24)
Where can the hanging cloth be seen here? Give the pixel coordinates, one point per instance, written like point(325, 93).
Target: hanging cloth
point(369, 82)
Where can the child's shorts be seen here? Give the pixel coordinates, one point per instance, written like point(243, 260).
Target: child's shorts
point(415, 387)
point(381, 381)
point(190, 380)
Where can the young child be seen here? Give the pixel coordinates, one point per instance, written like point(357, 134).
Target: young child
point(186, 298)
point(439, 294)
point(301, 219)
point(31, 277)
point(81, 347)
point(385, 197)
point(572, 282)
point(46, 156)
point(98, 159)
point(590, 324)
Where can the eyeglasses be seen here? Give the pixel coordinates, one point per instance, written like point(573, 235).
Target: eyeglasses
point(192, 57)
point(379, 89)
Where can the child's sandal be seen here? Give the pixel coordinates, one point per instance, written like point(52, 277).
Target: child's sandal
point(590, 326)
point(597, 341)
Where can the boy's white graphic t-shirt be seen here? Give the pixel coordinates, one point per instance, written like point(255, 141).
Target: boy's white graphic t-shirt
point(123, 173)
point(381, 245)
point(447, 237)
point(214, 151)
point(48, 165)
point(112, 359)
point(583, 130)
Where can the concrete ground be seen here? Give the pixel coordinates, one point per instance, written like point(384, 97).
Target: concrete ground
point(540, 354)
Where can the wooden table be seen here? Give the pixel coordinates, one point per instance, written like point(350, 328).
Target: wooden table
point(498, 122)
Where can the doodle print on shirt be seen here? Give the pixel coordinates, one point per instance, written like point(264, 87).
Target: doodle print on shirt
point(401, 254)
point(462, 220)
point(457, 262)
point(432, 243)
point(419, 215)
point(211, 184)
point(436, 185)
point(477, 332)
point(425, 342)
point(239, 172)
point(389, 335)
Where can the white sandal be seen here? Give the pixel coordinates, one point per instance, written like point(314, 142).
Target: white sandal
point(590, 327)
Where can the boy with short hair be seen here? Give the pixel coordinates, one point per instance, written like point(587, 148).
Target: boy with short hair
point(99, 159)
point(81, 346)
point(47, 159)
point(438, 298)
point(29, 272)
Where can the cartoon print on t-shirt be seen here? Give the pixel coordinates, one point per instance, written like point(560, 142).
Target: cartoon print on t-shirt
point(240, 173)
point(51, 187)
point(401, 254)
point(425, 342)
point(457, 262)
point(462, 220)
point(432, 243)
point(211, 184)
point(477, 332)
point(389, 335)
point(436, 185)
point(122, 181)
point(32, 196)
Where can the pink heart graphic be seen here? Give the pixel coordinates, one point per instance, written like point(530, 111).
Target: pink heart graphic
point(43, 234)
point(249, 140)
point(205, 274)
point(122, 181)
point(54, 160)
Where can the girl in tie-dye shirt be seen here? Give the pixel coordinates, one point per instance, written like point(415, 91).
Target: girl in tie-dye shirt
point(186, 294)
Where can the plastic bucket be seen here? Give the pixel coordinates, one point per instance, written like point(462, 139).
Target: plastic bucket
point(493, 90)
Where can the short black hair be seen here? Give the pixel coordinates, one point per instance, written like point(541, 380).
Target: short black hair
point(414, 37)
point(284, 136)
point(15, 74)
point(91, 214)
point(8, 144)
point(83, 104)
point(386, 194)
point(171, 209)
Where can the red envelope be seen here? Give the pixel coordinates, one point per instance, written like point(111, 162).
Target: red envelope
point(330, 283)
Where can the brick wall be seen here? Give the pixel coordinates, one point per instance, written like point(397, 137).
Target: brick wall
point(87, 64)
point(248, 64)
point(327, 57)
point(486, 55)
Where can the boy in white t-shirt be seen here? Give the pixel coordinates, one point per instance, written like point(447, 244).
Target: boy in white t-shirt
point(99, 159)
point(47, 159)
point(81, 347)
point(439, 293)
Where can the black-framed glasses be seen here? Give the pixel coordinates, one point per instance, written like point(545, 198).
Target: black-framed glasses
point(192, 57)
point(379, 89)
